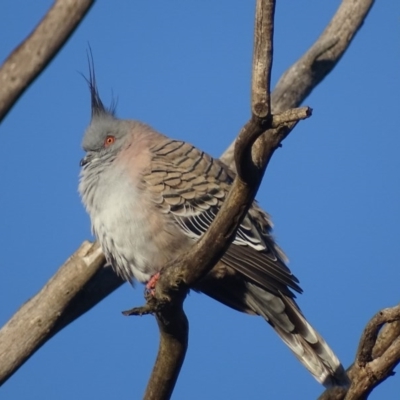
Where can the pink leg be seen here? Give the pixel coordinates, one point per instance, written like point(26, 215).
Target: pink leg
point(151, 284)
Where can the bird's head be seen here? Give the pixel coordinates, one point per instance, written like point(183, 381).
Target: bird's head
point(106, 135)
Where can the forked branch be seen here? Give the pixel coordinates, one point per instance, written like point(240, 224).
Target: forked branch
point(377, 355)
point(305, 74)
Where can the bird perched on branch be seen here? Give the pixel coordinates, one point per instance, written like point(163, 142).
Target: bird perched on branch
point(150, 198)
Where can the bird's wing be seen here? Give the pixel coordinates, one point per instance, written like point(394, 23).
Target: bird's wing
point(191, 185)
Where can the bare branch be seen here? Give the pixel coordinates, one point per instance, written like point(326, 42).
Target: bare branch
point(171, 353)
point(370, 334)
point(333, 393)
point(305, 74)
point(376, 357)
point(262, 59)
point(367, 372)
point(54, 307)
point(322, 57)
point(31, 57)
point(387, 335)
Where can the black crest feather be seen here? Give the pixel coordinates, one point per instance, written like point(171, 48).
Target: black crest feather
point(96, 103)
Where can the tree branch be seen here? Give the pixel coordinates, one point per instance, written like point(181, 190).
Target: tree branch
point(368, 372)
point(304, 75)
point(387, 335)
point(377, 355)
point(61, 301)
point(31, 57)
point(174, 328)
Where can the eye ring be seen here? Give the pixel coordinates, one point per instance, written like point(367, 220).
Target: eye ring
point(109, 140)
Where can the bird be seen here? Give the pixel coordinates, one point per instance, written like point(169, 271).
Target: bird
point(150, 198)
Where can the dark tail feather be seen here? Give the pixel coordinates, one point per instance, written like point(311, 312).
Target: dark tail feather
point(282, 313)
point(308, 346)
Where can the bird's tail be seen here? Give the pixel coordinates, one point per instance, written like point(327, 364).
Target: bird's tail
point(283, 314)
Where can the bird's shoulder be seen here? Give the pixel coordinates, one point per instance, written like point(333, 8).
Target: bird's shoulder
point(179, 174)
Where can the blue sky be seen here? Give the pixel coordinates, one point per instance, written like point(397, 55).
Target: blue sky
point(184, 68)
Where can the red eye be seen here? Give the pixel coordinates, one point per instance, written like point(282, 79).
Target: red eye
point(109, 140)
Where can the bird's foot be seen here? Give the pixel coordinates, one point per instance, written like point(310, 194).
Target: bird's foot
point(151, 284)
